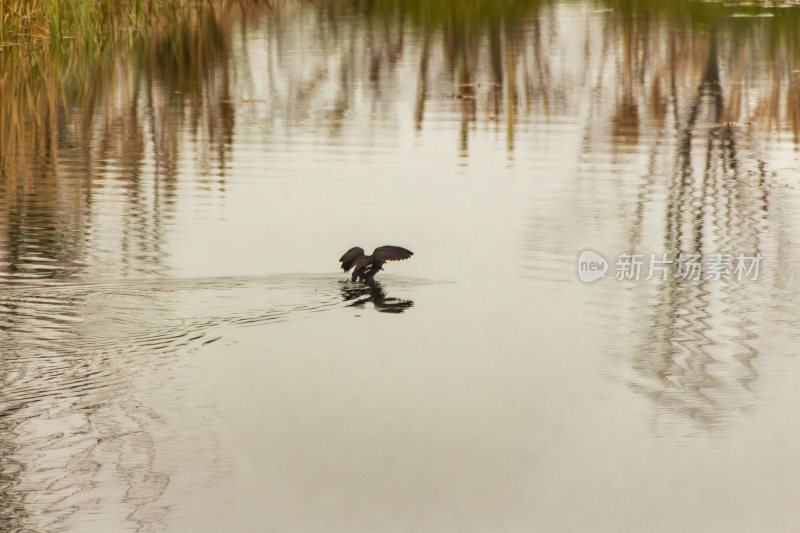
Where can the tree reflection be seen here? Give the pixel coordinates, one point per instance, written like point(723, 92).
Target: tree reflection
point(688, 361)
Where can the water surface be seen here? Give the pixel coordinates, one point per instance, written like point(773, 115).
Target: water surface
point(179, 352)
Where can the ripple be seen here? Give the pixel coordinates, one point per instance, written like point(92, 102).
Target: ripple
point(75, 360)
point(80, 357)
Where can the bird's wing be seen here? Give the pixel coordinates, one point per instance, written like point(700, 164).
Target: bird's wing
point(390, 253)
point(350, 257)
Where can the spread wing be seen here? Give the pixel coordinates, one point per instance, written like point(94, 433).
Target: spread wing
point(350, 257)
point(389, 253)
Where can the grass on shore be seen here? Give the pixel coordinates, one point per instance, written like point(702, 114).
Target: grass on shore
point(94, 22)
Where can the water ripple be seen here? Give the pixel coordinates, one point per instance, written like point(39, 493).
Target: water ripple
point(75, 420)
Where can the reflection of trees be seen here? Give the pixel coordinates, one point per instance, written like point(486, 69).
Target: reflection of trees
point(494, 62)
point(690, 364)
point(472, 58)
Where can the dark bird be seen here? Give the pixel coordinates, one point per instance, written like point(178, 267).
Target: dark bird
point(366, 266)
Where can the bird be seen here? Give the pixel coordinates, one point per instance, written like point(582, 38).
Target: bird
point(366, 266)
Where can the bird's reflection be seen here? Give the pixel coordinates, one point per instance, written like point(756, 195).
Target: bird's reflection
point(360, 294)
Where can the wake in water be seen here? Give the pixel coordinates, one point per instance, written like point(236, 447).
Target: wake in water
point(90, 374)
point(161, 315)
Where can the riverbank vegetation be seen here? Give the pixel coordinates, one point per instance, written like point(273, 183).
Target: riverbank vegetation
point(91, 22)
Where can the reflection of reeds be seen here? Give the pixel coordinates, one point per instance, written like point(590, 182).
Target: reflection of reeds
point(690, 362)
point(68, 110)
point(495, 54)
point(498, 61)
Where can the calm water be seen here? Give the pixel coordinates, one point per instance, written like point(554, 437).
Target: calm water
point(178, 351)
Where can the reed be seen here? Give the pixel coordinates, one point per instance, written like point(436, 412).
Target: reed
point(92, 21)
